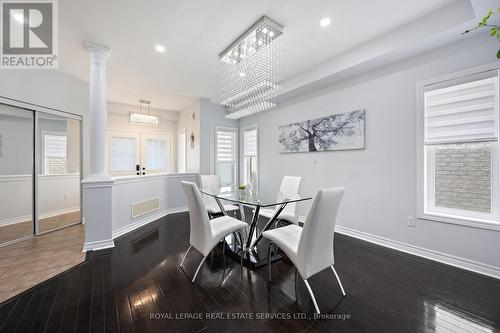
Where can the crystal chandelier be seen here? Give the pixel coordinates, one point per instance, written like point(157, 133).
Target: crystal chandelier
point(251, 73)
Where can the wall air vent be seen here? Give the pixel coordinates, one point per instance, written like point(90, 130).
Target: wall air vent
point(145, 207)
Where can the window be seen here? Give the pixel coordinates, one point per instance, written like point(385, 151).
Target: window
point(181, 151)
point(123, 154)
point(250, 153)
point(155, 153)
point(54, 153)
point(460, 149)
point(225, 144)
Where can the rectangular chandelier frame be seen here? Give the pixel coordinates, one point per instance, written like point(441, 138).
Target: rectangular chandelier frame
point(275, 26)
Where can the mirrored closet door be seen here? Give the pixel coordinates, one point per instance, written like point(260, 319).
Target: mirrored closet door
point(16, 173)
point(40, 158)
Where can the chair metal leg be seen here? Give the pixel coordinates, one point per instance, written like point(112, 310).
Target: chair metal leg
point(198, 269)
point(185, 255)
point(241, 247)
point(223, 255)
point(269, 262)
point(338, 280)
point(312, 296)
point(296, 284)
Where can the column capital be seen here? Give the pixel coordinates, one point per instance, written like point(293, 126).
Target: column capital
point(98, 53)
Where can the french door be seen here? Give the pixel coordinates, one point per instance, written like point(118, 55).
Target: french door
point(40, 167)
point(132, 153)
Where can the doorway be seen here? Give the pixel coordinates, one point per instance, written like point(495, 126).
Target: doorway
point(40, 171)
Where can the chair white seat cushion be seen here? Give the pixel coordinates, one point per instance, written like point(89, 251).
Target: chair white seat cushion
point(287, 238)
point(221, 227)
point(268, 213)
point(214, 208)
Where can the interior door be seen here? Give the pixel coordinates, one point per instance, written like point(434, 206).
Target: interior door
point(124, 155)
point(58, 171)
point(156, 153)
point(16, 173)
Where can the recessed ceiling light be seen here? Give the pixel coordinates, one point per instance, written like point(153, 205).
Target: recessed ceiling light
point(325, 22)
point(160, 48)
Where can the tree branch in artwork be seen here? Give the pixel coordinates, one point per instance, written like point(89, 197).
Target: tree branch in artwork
point(322, 133)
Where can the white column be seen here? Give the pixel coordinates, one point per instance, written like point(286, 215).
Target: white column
point(98, 112)
point(97, 186)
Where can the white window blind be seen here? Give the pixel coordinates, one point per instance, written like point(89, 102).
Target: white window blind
point(55, 145)
point(54, 148)
point(181, 151)
point(226, 141)
point(123, 154)
point(464, 112)
point(250, 153)
point(250, 142)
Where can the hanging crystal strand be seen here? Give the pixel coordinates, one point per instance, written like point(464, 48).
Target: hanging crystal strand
point(251, 73)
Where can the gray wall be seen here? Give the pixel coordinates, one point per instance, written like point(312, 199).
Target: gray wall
point(379, 181)
point(211, 116)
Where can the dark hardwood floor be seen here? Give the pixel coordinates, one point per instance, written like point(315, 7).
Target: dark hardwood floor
point(138, 287)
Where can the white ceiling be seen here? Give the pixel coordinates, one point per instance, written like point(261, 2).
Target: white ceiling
point(194, 32)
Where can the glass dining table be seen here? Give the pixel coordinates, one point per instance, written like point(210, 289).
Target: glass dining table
point(251, 250)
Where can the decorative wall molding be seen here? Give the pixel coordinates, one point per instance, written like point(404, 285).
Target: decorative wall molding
point(28, 218)
point(151, 177)
point(98, 245)
point(142, 222)
point(13, 178)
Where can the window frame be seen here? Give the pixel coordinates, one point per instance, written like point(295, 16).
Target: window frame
point(470, 219)
point(182, 131)
point(242, 161)
point(216, 153)
point(43, 165)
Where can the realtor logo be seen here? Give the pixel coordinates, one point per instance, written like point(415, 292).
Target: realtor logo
point(29, 34)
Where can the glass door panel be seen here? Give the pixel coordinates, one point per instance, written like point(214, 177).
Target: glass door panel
point(123, 154)
point(58, 183)
point(16, 173)
point(156, 153)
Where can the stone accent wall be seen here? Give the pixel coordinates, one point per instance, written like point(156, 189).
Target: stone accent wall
point(463, 176)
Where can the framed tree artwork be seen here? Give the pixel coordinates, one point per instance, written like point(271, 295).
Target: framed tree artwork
point(340, 131)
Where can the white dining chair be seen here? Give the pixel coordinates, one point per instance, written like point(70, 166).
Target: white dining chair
point(205, 233)
point(289, 189)
point(311, 248)
point(212, 183)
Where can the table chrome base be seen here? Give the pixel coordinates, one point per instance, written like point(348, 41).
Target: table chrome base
point(254, 259)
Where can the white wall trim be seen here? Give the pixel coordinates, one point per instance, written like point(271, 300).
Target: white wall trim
point(28, 218)
point(441, 257)
point(444, 258)
point(13, 178)
point(142, 222)
point(150, 177)
point(98, 245)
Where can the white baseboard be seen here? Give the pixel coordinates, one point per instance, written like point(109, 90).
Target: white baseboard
point(142, 222)
point(98, 245)
point(444, 258)
point(27, 218)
